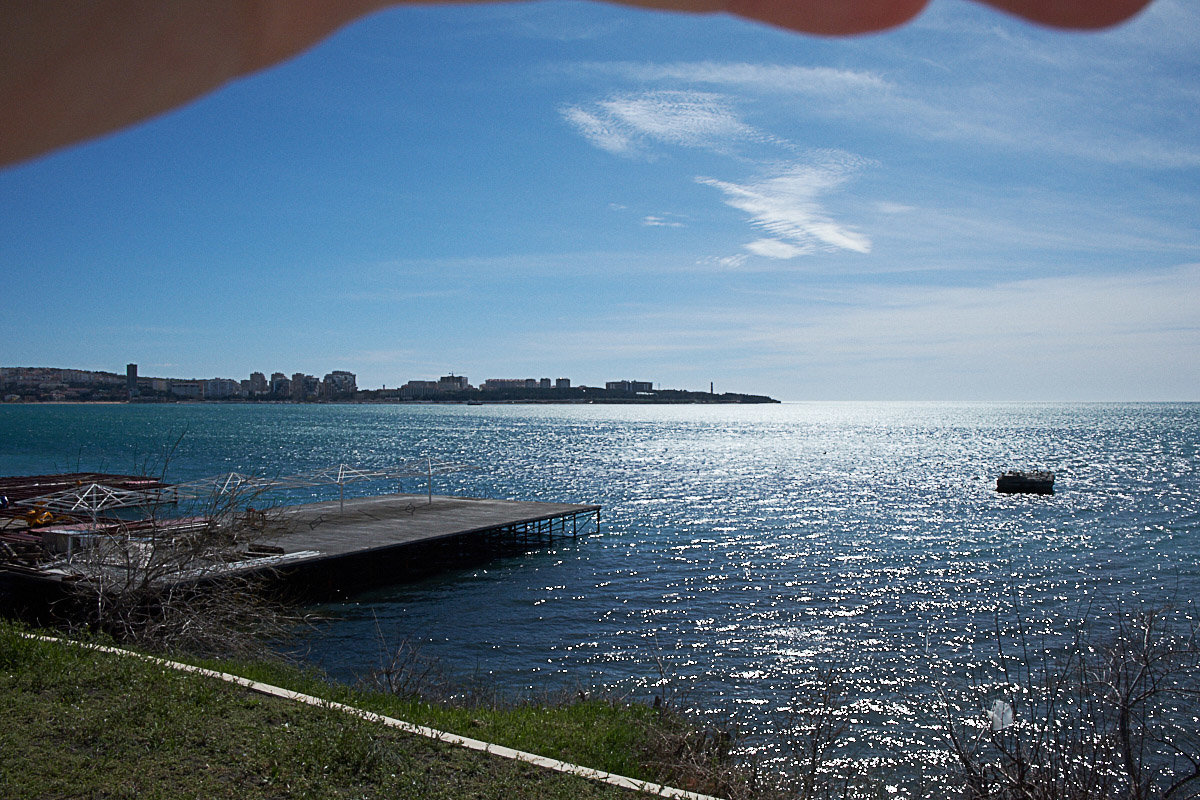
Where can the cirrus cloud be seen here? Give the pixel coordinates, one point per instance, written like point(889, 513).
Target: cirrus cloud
point(773, 79)
point(625, 123)
point(786, 206)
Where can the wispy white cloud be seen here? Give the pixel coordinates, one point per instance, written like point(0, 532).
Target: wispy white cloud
point(973, 105)
point(1023, 225)
point(775, 248)
point(624, 123)
point(744, 76)
point(724, 262)
point(1084, 103)
point(660, 222)
point(1073, 316)
point(600, 131)
point(786, 206)
point(1130, 336)
point(1087, 98)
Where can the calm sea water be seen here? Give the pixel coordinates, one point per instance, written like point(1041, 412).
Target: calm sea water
point(745, 548)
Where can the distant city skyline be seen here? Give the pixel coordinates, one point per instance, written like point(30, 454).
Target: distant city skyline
point(966, 207)
point(497, 381)
point(65, 382)
point(544, 381)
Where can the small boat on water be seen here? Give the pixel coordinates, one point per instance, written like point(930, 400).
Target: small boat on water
point(1014, 482)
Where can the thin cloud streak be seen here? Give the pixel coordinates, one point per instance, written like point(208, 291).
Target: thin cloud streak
point(970, 108)
point(785, 206)
point(601, 132)
point(1127, 337)
point(624, 124)
point(659, 222)
point(1134, 336)
point(763, 78)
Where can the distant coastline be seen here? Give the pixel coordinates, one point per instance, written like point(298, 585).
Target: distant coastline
point(560, 396)
point(48, 385)
point(587, 395)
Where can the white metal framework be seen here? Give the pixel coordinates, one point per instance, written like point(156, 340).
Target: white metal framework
point(94, 498)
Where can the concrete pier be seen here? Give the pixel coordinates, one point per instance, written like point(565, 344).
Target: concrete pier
point(341, 546)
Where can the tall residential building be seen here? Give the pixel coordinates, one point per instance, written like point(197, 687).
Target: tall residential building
point(221, 388)
point(193, 390)
point(453, 383)
point(508, 383)
point(258, 384)
point(562, 383)
point(339, 385)
point(305, 387)
point(418, 389)
point(629, 387)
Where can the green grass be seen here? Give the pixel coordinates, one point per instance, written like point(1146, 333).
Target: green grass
point(602, 734)
point(77, 723)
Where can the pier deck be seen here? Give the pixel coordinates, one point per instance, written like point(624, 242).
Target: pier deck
point(339, 546)
point(398, 520)
point(372, 539)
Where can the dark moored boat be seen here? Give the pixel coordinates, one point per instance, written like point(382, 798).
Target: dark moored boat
point(1026, 483)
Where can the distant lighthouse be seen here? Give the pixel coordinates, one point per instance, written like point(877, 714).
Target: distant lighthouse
point(710, 388)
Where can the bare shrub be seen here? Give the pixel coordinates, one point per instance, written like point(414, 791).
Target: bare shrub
point(701, 757)
point(818, 721)
point(698, 758)
point(1113, 713)
point(406, 672)
point(180, 583)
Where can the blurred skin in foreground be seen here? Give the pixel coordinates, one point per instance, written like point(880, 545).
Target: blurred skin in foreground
point(75, 69)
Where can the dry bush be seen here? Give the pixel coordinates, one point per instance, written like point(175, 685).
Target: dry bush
point(1115, 713)
point(818, 723)
point(699, 759)
point(406, 672)
point(165, 584)
point(694, 756)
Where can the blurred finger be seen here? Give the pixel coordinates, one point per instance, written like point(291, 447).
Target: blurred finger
point(1072, 13)
point(835, 18)
point(74, 70)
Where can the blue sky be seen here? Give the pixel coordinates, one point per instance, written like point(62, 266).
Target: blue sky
point(968, 207)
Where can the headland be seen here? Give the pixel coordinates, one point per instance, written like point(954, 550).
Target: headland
point(54, 385)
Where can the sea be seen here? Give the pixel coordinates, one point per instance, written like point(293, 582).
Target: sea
point(744, 553)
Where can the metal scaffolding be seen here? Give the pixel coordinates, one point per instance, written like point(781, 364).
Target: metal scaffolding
point(94, 498)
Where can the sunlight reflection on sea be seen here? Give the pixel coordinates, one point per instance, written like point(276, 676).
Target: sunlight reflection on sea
point(745, 548)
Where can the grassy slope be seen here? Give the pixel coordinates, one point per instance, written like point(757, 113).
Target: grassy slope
point(597, 733)
point(82, 724)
